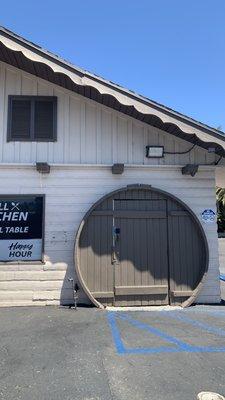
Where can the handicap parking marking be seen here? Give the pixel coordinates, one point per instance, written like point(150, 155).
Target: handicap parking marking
point(143, 326)
point(116, 333)
point(121, 349)
point(180, 316)
point(179, 346)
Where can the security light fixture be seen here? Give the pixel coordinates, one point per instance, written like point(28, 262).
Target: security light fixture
point(154, 151)
point(117, 169)
point(190, 169)
point(43, 167)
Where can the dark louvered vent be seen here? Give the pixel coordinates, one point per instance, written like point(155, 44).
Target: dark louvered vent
point(43, 120)
point(32, 118)
point(20, 120)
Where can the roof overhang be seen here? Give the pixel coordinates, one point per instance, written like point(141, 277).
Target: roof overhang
point(24, 55)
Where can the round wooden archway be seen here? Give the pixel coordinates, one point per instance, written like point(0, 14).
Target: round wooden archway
point(141, 246)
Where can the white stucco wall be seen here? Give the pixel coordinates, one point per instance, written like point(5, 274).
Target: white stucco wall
point(70, 191)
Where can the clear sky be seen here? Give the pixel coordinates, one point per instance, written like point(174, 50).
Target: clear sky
point(172, 51)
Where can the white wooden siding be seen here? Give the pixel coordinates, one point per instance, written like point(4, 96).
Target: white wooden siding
point(70, 192)
point(87, 132)
point(93, 137)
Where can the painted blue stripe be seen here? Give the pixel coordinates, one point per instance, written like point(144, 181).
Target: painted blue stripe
point(116, 333)
point(197, 324)
point(208, 349)
point(155, 350)
point(180, 346)
point(155, 331)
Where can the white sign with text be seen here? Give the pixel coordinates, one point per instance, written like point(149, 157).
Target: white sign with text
point(27, 249)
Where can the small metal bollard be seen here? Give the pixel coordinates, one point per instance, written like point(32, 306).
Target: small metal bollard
point(75, 292)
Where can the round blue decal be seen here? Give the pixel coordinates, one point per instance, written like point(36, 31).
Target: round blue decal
point(208, 215)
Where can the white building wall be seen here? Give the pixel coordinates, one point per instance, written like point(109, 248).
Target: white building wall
point(87, 132)
point(70, 192)
point(90, 138)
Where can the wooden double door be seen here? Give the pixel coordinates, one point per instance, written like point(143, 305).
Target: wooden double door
point(140, 252)
point(141, 247)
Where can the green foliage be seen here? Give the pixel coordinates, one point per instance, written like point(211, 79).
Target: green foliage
point(220, 198)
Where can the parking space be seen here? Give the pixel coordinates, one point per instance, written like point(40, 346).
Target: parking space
point(198, 330)
point(89, 354)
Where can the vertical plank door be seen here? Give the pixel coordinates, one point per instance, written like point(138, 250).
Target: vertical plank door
point(140, 252)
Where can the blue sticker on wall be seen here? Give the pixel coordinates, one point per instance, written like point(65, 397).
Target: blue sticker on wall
point(208, 215)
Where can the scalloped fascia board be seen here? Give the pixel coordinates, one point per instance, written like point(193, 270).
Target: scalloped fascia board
point(105, 89)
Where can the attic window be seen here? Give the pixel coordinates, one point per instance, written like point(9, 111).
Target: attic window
point(32, 118)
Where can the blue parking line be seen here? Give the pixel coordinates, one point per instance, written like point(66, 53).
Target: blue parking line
point(164, 349)
point(112, 316)
point(179, 345)
point(116, 333)
point(152, 350)
point(193, 322)
point(208, 349)
point(157, 332)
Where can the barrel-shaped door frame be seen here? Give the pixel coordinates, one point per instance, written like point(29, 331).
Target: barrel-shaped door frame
point(195, 292)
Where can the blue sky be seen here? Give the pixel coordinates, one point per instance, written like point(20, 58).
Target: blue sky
point(172, 51)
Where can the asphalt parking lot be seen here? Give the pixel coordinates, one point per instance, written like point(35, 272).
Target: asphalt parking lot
point(57, 353)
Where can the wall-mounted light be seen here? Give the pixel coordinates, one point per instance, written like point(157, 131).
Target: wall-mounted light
point(117, 169)
point(154, 151)
point(190, 169)
point(43, 167)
